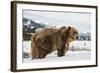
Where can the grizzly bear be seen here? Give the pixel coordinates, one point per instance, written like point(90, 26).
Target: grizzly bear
point(51, 39)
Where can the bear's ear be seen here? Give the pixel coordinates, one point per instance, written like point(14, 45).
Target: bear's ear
point(68, 28)
point(65, 32)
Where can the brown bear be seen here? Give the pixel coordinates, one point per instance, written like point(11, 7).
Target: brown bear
point(49, 39)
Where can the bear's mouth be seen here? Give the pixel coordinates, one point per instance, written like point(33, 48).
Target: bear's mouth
point(72, 38)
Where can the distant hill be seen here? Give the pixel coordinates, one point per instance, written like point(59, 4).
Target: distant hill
point(30, 23)
point(30, 26)
point(85, 36)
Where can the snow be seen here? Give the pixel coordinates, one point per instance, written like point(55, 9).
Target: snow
point(80, 45)
point(71, 55)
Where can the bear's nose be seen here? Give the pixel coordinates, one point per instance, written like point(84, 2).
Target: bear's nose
point(77, 38)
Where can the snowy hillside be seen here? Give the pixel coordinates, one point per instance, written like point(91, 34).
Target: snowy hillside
point(78, 50)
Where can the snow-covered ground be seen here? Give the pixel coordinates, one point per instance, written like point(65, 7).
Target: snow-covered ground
point(80, 46)
point(78, 50)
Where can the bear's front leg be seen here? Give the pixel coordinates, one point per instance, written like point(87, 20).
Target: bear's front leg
point(62, 51)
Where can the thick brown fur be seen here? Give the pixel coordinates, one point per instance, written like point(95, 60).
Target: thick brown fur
point(48, 40)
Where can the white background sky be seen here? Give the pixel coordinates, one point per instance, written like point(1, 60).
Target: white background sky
point(79, 20)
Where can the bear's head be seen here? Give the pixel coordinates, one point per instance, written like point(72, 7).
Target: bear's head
point(70, 34)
